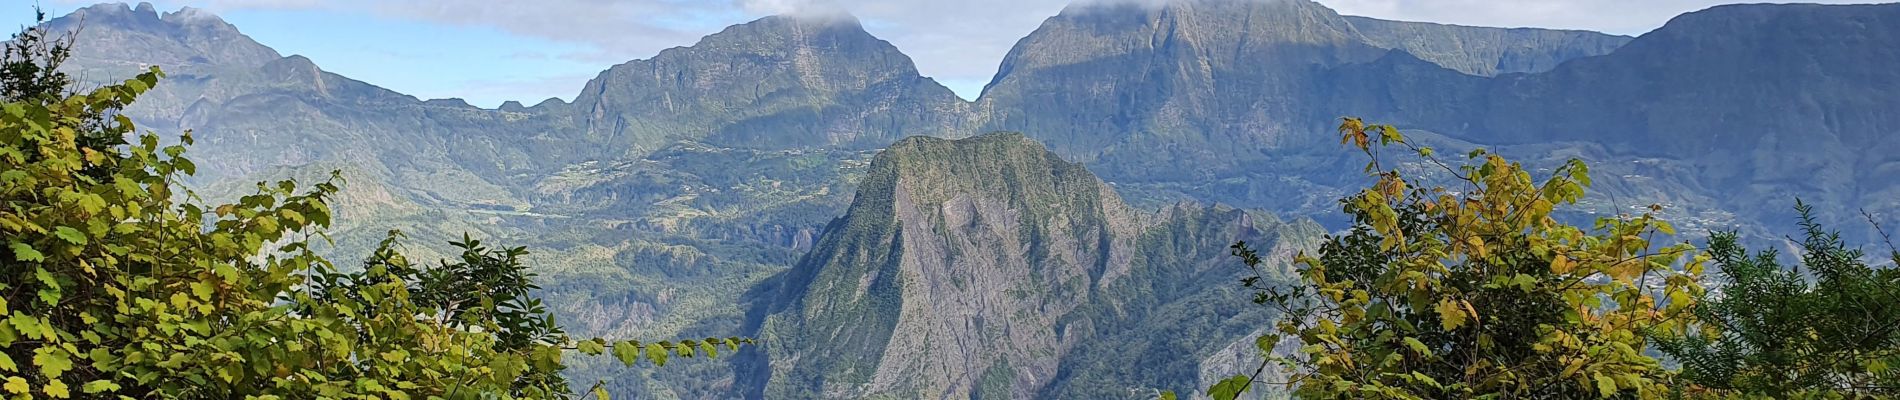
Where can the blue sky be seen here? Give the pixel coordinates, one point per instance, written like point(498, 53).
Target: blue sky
point(490, 51)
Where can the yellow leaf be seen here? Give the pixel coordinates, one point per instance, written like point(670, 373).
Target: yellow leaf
point(1605, 385)
point(57, 389)
point(1450, 314)
point(1575, 364)
point(1561, 265)
point(17, 385)
point(1477, 246)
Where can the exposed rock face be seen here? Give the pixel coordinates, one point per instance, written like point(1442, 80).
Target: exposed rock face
point(1130, 88)
point(973, 268)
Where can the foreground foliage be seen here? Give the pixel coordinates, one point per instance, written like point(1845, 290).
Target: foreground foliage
point(1828, 327)
point(116, 283)
point(1475, 291)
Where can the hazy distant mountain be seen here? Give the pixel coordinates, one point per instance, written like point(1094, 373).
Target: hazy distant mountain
point(123, 36)
point(1760, 103)
point(990, 268)
point(1723, 115)
point(1485, 51)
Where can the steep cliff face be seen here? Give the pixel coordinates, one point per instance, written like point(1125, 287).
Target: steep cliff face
point(1130, 88)
point(1228, 99)
point(778, 82)
point(973, 267)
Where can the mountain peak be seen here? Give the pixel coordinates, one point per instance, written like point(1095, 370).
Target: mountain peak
point(939, 229)
point(994, 240)
point(144, 16)
point(114, 33)
point(803, 27)
point(783, 81)
point(113, 13)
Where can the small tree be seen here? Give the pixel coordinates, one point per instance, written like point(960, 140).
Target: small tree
point(1474, 291)
point(29, 65)
point(1826, 328)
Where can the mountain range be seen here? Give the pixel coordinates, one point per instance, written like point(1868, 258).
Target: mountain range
point(797, 179)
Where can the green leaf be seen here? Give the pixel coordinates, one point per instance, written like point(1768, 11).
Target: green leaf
point(1167, 395)
point(24, 252)
point(53, 362)
point(70, 235)
point(628, 352)
point(592, 347)
point(1524, 282)
point(92, 203)
point(49, 294)
point(601, 393)
point(1605, 385)
point(1229, 388)
point(99, 386)
point(292, 216)
point(656, 353)
point(685, 348)
point(27, 325)
point(57, 389)
point(17, 385)
point(204, 290)
point(1417, 346)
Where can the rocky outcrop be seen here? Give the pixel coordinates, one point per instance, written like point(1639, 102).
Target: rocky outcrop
point(977, 268)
